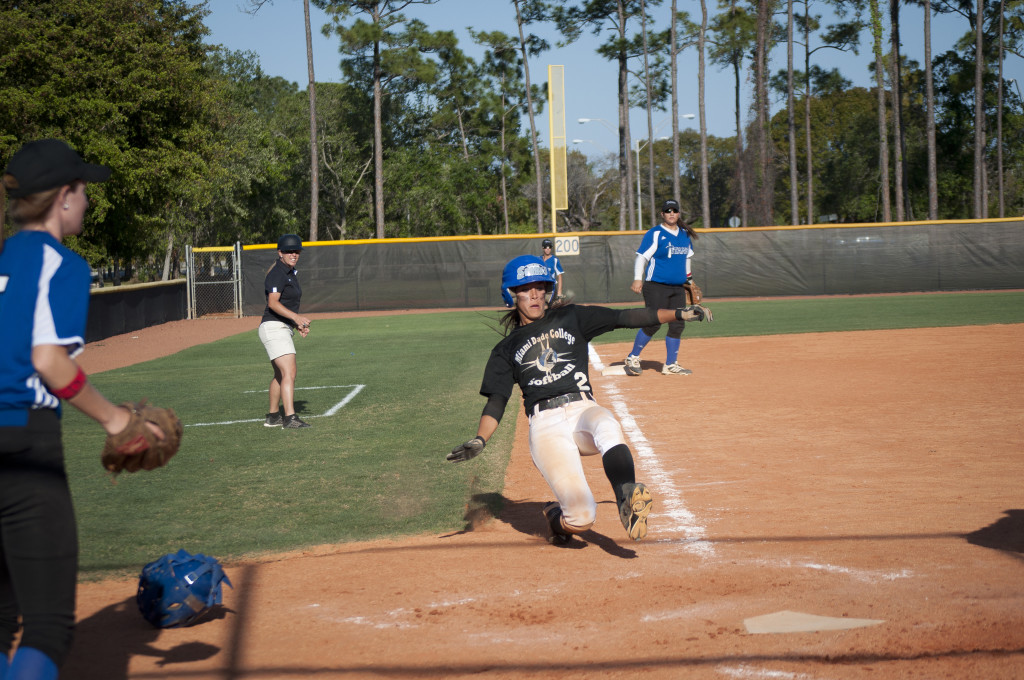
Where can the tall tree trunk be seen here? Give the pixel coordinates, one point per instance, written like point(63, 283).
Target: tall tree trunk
point(650, 121)
point(314, 154)
point(627, 214)
point(979, 114)
point(765, 174)
point(897, 115)
point(999, 114)
point(883, 140)
point(504, 183)
point(741, 173)
point(537, 169)
point(378, 144)
point(929, 96)
point(705, 196)
point(167, 255)
point(674, 53)
point(794, 178)
point(807, 113)
point(459, 115)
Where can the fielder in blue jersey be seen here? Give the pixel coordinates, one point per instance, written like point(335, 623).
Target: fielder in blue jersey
point(553, 264)
point(662, 266)
point(44, 299)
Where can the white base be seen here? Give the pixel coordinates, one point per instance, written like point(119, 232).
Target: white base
point(798, 622)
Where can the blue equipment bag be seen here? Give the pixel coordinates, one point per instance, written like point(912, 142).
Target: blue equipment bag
point(178, 588)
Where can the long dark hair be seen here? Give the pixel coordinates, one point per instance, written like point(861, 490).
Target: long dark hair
point(685, 221)
point(690, 231)
point(511, 320)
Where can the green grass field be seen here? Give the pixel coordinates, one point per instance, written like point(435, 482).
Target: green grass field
point(404, 391)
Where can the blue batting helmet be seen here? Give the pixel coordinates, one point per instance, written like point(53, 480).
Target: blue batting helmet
point(522, 270)
point(177, 589)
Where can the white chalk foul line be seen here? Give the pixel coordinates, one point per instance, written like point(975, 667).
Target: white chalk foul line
point(681, 520)
point(354, 390)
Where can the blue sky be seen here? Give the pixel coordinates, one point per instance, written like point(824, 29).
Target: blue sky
point(277, 35)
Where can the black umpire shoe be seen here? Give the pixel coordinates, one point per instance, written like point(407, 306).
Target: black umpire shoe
point(273, 420)
point(293, 422)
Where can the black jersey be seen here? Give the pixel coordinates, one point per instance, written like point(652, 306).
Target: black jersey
point(548, 357)
point(284, 280)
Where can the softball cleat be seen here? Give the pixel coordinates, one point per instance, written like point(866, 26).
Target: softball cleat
point(675, 369)
point(553, 514)
point(634, 508)
point(632, 366)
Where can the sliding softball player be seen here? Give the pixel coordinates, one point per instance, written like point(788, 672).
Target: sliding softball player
point(545, 352)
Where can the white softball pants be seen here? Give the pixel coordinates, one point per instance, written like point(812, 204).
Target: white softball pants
point(558, 439)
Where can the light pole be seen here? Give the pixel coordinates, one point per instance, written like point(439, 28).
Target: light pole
point(639, 209)
point(650, 166)
point(623, 169)
point(590, 141)
point(597, 120)
point(1014, 81)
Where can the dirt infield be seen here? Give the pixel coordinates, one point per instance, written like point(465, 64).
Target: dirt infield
point(866, 475)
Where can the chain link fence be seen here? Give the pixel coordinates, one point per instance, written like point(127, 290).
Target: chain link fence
point(214, 281)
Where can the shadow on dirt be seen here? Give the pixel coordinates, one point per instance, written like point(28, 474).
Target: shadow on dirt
point(527, 518)
point(106, 642)
point(1006, 533)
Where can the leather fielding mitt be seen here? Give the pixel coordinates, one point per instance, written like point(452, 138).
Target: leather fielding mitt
point(137, 447)
point(693, 293)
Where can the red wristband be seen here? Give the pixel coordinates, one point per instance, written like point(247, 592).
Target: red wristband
point(72, 388)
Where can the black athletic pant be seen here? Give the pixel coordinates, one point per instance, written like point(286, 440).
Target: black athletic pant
point(38, 538)
point(663, 296)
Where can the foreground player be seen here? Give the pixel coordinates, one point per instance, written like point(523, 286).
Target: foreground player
point(545, 352)
point(44, 298)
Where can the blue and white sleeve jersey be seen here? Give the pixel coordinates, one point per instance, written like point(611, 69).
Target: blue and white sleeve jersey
point(554, 266)
point(44, 300)
point(667, 255)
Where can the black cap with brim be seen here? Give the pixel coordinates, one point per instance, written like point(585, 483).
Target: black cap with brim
point(670, 205)
point(47, 164)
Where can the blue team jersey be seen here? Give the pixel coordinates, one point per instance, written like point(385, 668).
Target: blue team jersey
point(554, 266)
point(666, 254)
point(44, 300)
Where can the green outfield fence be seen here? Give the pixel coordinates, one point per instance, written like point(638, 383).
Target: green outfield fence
point(454, 272)
point(447, 272)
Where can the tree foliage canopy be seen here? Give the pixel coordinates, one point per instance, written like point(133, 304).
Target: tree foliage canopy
point(207, 149)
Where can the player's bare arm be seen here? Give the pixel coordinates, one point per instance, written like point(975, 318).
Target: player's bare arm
point(301, 323)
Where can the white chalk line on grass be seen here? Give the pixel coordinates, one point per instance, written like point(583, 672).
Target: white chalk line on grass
point(355, 389)
point(667, 495)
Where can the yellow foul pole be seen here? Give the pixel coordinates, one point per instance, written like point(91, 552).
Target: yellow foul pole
point(556, 125)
